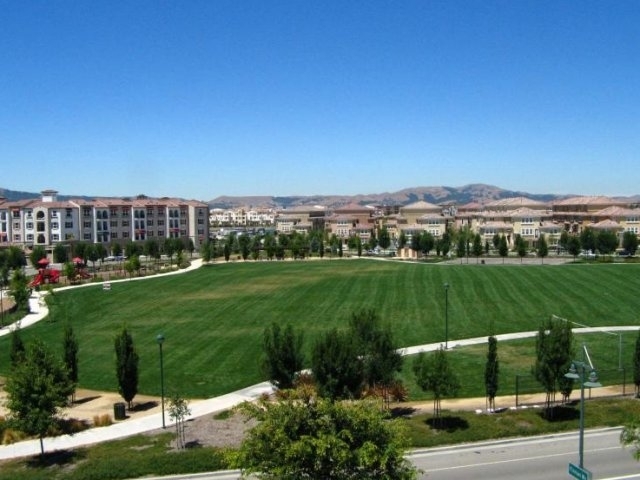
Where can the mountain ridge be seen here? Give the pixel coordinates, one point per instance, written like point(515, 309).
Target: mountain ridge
point(474, 192)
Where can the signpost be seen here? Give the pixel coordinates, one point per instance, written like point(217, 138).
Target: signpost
point(579, 473)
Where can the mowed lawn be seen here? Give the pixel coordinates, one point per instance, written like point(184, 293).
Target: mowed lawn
point(213, 319)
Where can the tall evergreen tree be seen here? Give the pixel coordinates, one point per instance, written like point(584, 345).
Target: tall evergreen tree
point(491, 372)
point(543, 248)
point(126, 366)
point(70, 352)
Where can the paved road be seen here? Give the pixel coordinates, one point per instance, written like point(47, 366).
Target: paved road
point(533, 458)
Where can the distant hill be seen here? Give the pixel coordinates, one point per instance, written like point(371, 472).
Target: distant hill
point(457, 195)
point(476, 192)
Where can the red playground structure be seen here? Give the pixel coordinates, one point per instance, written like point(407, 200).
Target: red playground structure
point(45, 274)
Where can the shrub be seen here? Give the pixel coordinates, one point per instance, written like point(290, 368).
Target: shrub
point(102, 420)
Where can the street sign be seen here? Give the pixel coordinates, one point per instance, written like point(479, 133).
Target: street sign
point(579, 473)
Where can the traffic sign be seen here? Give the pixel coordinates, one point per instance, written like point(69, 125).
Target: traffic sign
point(579, 473)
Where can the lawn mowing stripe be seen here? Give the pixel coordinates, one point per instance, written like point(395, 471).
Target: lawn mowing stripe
point(213, 318)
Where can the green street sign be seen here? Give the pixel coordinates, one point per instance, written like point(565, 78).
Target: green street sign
point(579, 473)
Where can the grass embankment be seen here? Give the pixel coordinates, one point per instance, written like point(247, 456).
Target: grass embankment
point(144, 455)
point(213, 319)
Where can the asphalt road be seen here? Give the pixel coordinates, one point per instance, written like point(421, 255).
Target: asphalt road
point(535, 458)
point(546, 457)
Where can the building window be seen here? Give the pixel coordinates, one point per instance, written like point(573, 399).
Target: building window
point(149, 212)
point(55, 237)
point(150, 223)
point(125, 223)
point(68, 224)
point(29, 237)
point(86, 211)
point(125, 234)
point(161, 223)
point(113, 223)
point(40, 227)
point(68, 212)
point(55, 225)
point(16, 238)
point(86, 224)
point(87, 236)
point(114, 235)
point(114, 212)
point(16, 225)
point(29, 226)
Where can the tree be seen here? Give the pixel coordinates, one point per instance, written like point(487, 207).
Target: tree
point(630, 242)
point(461, 247)
point(503, 248)
point(37, 254)
point(376, 348)
point(630, 436)
point(543, 248)
point(169, 248)
point(554, 352)
point(336, 368)
point(4, 282)
point(384, 239)
point(60, 253)
point(426, 243)
point(178, 411)
point(573, 246)
point(636, 366)
point(283, 357)
point(491, 371)
point(434, 374)
point(126, 366)
point(37, 388)
point(607, 242)
point(70, 356)
point(19, 290)
point(477, 246)
point(402, 239)
point(307, 437)
point(521, 247)
point(588, 239)
point(563, 242)
point(17, 351)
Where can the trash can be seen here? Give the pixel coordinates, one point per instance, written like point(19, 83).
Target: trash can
point(119, 412)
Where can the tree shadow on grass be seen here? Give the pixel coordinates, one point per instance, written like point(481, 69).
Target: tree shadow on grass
point(57, 458)
point(560, 413)
point(448, 424)
point(402, 412)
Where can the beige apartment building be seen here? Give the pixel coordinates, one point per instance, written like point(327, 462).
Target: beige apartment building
point(47, 221)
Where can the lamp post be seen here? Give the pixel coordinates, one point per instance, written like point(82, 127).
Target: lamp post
point(446, 316)
point(577, 372)
point(160, 340)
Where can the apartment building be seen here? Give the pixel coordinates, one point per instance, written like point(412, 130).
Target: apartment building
point(48, 221)
point(351, 220)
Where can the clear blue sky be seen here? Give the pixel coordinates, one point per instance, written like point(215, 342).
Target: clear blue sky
point(198, 99)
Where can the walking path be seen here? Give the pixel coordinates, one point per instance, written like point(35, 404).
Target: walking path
point(199, 408)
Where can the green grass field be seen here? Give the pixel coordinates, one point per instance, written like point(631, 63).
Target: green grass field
point(213, 318)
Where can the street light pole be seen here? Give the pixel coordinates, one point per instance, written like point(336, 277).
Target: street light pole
point(577, 372)
point(446, 316)
point(160, 340)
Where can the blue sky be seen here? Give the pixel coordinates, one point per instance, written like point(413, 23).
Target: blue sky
point(198, 99)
